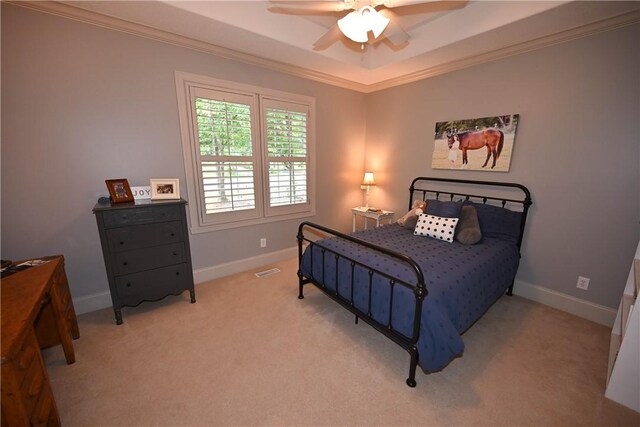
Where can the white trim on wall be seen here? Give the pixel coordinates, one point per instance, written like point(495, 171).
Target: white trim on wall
point(576, 306)
point(93, 18)
point(579, 307)
point(215, 272)
point(140, 30)
point(100, 300)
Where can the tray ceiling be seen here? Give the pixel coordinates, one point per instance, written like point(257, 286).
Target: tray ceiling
point(441, 39)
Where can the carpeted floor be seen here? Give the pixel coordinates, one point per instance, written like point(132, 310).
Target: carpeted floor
point(250, 353)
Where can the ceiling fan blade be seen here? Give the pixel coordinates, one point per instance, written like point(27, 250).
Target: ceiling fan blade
point(394, 33)
point(302, 11)
point(330, 37)
point(405, 7)
point(400, 3)
point(310, 6)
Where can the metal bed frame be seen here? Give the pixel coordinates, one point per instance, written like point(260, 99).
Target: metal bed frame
point(418, 188)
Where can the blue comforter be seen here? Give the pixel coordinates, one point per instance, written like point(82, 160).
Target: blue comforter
point(462, 281)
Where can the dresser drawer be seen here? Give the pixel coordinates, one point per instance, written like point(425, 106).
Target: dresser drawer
point(145, 246)
point(148, 258)
point(142, 236)
point(144, 215)
point(153, 285)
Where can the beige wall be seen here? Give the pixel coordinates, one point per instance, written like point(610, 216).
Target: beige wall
point(81, 104)
point(577, 149)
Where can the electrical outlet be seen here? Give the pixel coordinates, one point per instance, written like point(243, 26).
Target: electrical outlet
point(263, 242)
point(583, 283)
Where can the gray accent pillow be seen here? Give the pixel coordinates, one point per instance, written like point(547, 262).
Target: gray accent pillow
point(468, 230)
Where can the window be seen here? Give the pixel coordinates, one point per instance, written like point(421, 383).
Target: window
point(248, 153)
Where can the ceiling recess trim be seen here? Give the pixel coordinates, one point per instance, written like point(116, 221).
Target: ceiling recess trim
point(148, 32)
point(611, 23)
point(117, 24)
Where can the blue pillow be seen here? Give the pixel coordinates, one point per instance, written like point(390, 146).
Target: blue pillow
point(444, 209)
point(498, 222)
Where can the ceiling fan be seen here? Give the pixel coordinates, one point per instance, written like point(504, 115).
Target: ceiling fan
point(357, 18)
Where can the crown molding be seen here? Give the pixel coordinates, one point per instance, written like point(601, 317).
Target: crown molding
point(148, 32)
point(607, 24)
point(140, 30)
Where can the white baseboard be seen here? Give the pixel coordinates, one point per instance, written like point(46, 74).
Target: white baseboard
point(93, 302)
point(585, 309)
point(581, 308)
point(214, 272)
point(100, 300)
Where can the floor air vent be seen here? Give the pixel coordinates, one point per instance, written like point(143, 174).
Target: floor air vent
point(268, 272)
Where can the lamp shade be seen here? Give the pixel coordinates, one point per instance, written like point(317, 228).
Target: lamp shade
point(368, 179)
point(358, 23)
point(352, 26)
point(373, 20)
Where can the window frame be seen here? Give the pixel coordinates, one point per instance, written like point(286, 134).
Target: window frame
point(273, 103)
point(187, 85)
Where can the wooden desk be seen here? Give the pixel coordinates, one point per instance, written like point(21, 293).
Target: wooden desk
point(37, 312)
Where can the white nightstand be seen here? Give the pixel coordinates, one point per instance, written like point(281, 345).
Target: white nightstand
point(364, 212)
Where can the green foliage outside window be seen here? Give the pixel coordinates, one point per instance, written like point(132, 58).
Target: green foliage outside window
point(224, 128)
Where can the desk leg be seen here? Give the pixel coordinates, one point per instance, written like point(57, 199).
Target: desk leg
point(354, 222)
point(61, 325)
point(366, 220)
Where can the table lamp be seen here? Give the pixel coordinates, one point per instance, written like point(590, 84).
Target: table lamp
point(367, 183)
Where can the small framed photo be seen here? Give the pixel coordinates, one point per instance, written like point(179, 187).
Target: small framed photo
point(165, 189)
point(119, 190)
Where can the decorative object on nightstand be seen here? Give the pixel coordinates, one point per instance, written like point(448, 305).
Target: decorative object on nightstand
point(146, 251)
point(378, 215)
point(367, 183)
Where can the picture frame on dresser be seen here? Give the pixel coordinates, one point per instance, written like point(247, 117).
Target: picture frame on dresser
point(119, 190)
point(165, 189)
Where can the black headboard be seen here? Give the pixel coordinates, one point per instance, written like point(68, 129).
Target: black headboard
point(434, 188)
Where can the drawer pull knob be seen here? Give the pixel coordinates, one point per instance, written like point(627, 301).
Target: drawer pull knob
point(125, 263)
point(177, 273)
point(121, 242)
point(175, 254)
point(128, 285)
point(173, 234)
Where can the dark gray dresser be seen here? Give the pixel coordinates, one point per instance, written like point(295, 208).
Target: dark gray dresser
point(146, 251)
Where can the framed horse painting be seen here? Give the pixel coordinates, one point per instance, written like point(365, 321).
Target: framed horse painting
point(483, 144)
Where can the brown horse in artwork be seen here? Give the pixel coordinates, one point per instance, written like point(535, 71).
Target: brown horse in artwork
point(491, 138)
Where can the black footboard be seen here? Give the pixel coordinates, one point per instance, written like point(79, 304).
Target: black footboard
point(419, 289)
point(422, 188)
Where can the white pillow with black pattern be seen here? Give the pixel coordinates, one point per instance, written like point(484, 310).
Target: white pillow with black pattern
point(437, 227)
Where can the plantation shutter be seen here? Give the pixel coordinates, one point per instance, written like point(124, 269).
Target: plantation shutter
point(227, 154)
point(286, 132)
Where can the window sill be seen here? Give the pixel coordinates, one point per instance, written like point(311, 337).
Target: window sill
point(208, 228)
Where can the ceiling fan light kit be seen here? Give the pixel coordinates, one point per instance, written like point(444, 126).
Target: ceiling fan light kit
point(358, 23)
point(363, 16)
